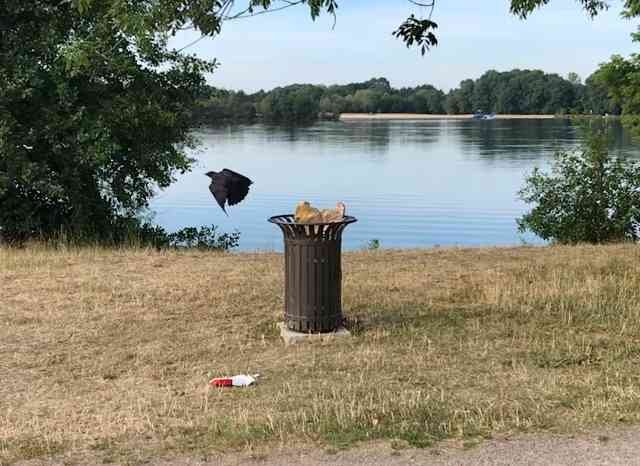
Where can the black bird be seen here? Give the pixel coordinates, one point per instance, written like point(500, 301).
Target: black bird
point(228, 186)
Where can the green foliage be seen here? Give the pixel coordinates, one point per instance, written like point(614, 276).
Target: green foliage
point(132, 232)
point(516, 91)
point(521, 92)
point(523, 8)
point(95, 113)
point(296, 103)
point(373, 244)
point(589, 196)
point(596, 98)
point(620, 78)
point(206, 238)
point(574, 78)
point(418, 32)
point(221, 106)
point(461, 100)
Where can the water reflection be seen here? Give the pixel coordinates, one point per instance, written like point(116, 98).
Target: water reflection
point(516, 140)
point(411, 184)
point(370, 137)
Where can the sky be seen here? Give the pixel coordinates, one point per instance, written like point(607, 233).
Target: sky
point(474, 36)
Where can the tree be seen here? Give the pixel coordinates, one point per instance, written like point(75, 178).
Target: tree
point(620, 76)
point(219, 105)
point(366, 100)
point(574, 78)
point(295, 103)
point(421, 32)
point(516, 91)
point(428, 99)
point(621, 79)
point(94, 113)
point(596, 99)
point(590, 196)
point(465, 101)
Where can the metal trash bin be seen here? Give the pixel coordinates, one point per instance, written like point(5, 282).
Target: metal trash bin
point(313, 273)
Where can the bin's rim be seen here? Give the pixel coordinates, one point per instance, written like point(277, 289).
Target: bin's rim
point(282, 220)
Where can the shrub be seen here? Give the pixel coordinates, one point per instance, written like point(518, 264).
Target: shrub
point(373, 244)
point(589, 196)
point(132, 232)
point(203, 238)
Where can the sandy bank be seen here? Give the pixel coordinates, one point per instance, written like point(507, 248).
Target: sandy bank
point(426, 116)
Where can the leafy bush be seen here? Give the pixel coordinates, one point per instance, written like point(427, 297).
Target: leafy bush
point(133, 233)
point(203, 238)
point(589, 196)
point(373, 245)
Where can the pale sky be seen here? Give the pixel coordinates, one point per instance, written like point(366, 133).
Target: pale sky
point(475, 35)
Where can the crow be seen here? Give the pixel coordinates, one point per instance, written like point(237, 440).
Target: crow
point(228, 186)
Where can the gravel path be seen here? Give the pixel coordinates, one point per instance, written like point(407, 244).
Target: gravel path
point(604, 448)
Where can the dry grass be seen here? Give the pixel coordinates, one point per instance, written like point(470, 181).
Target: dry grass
point(106, 353)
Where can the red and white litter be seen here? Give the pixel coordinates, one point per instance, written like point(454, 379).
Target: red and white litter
point(235, 381)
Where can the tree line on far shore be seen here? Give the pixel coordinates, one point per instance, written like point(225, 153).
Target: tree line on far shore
point(511, 92)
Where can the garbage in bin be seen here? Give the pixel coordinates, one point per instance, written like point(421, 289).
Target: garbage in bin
point(305, 213)
point(235, 381)
point(334, 215)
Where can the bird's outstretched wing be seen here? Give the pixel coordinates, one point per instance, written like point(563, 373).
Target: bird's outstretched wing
point(218, 188)
point(237, 186)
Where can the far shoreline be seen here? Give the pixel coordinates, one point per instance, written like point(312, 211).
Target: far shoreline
point(429, 116)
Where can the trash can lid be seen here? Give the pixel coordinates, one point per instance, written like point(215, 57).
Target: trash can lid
point(311, 231)
point(289, 219)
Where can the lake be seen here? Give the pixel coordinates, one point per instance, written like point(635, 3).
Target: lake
point(409, 183)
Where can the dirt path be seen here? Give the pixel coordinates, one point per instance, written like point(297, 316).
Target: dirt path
point(604, 448)
point(621, 447)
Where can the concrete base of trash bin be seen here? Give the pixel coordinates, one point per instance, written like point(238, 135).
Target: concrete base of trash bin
point(290, 337)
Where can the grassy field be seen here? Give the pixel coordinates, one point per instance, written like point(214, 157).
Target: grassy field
point(106, 354)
